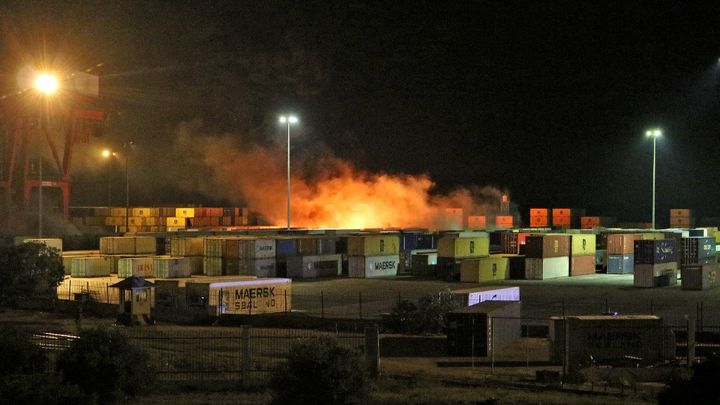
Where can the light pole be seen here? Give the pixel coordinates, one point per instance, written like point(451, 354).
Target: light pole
point(655, 134)
point(107, 154)
point(47, 85)
point(290, 119)
point(127, 146)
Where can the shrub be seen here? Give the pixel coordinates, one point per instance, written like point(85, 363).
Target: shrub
point(27, 269)
point(102, 362)
point(18, 355)
point(319, 371)
point(429, 316)
point(700, 389)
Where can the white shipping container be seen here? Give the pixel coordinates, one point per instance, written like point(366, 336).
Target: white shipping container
point(95, 266)
point(549, 267)
point(314, 266)
point(250, 248)
point(472, 296)
point(650, 275)
point(135, 266)
point(171, 267)
point(373, 266)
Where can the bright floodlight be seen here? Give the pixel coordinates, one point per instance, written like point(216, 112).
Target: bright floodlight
point(46, 83)
point(106, 153)
point(653, 132)
point(292, 119)
point(657, 132)
point(288, 119)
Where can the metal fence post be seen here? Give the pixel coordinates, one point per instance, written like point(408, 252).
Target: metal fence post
point(322, 304)
point(690, 341)
point(246, 361)
point(360, 300)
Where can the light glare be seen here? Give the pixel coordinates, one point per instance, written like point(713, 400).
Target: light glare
point(46, 83)
point(283, 119)
point(293, 119)
point(106, 153)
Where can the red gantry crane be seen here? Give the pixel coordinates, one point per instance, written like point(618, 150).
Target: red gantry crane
point(27, 121)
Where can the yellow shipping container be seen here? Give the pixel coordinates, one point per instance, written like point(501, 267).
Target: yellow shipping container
point(117, 212)
point(185, 213)
point(113, 221)
point(582, 244)
point(176, 222)
point(716, 234)
point(136, 221)
point(453, 246)
point(651, 236)
point(484, 269)
point(140, 212)
point(373, 245)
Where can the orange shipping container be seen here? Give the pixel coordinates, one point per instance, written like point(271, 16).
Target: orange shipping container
point(504, 221)
point(562, 221)
point(580, 265)
point(539, 222)
point(589, 222)
point(681, 222)
point(539, 212)
point(681, 212)
point(560, 212)
point(476, 222)
point(621, 243)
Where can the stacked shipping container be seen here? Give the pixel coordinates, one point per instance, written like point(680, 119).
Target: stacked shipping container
point(548, 256)
point(582, 254)
point(656, 262)
point(454, 248)
point(682, 218)
point(376, 255)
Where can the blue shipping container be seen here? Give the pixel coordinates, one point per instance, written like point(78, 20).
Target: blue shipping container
point(286, 247)
point(620, 264)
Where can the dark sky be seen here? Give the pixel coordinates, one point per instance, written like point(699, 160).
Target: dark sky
point(549, 100)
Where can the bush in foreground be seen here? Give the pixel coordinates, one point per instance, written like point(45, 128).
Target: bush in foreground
point(428, 316)
point(319, 371)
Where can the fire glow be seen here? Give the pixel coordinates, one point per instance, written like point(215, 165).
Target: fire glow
point(327, 192)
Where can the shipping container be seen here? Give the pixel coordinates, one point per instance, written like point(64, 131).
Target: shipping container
point(484, 269)
point(262, 267)
point(185, 212)
point(424, 264)
point(550, 245)
point(452, 219)
point(477, 222)
point(247, 297)
point(472, 296)
point(118, 212)
point(373, 245)
point(681, 213)
point(93, 266)
point(699, 276)
point(582, 265)
point(483, 328)
point(212, 265)
point(539, 222)
point(176, 222)
point(250, 248)
point(539, 212)
point(561, 221)
point(595, 222)
point(308, 246)
point(620, 264)
point(620, 243)
point(171, 267)
point(656, 251)
point(582, 244)
point(128, 245)
point(144, 212)
point(681, 222)
point(506, 241)
point(373, 266)
point(286, 247)
point(135, 266)
point(456, 247)
point(516, 267)
point(697, 250)
point(314, 266)
point(655, 275)
point(547, 268)
point(187, 246)
point(504, 221)
point(214, 246)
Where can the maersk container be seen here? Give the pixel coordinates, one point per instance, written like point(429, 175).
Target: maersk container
point(655, 275)
point(545, 246)
point(547, 268)
point(656, 251)
point(697, 250)
point(484, 269)
point(582, 265)
point(187, 246)
point(314, 266)
point(373, 245)
point(242, 248)
point(94, 266)
point(171, 267)
point(699, 277)
point(457, 247)
point(135, 266)
point(373, 266)
point(232, 266)
point(582, 244)
point(620, 264)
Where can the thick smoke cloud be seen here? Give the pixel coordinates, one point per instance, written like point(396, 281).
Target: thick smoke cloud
point(326, 191)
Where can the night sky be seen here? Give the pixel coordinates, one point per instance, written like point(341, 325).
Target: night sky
point(549, 100)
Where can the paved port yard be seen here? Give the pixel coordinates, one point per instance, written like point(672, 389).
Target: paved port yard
point(589, 294)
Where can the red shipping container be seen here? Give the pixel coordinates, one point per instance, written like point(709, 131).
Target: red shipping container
point(543, 246)
point(580, 265)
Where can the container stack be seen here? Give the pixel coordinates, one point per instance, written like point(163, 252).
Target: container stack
point(539, 218)
point(567, 217)
point(582, 254)
point(504, 242)
point(548, 256)
point(373, 255)
point(477, 222)
point(620, 253)
point(682, 218)
point(191, 248)
point(494, 267)
point(504, 221)
point(656, 262)
point(454, 248)
point(249, 256)
point(171, 267)
point(316, 257)
point(698, 263)
point(95, 266)
point(213, 252)
point(413, 243)
point(596, 222)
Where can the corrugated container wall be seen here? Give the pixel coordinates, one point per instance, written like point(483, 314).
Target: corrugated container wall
point(551, 245)
point(582, 244)
point(455, 247)
point(373, 245)
point(656, 251)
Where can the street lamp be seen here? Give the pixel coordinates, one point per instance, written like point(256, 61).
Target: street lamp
point(128, 147)
point(46, 84)
point(655, 134)
point(107, 154)
point(290, 119)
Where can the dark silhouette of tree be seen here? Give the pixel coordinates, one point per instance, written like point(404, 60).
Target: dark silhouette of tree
point(28, 269)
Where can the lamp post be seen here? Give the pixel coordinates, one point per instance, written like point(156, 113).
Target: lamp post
point(655, 134)
point(46, 84)
point(290, 119)
point(127, 146)
point(107, 154)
